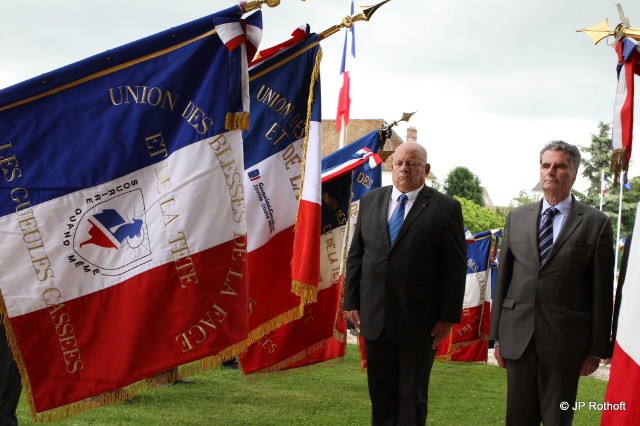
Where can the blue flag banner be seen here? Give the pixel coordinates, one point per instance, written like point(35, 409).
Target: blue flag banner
point(122, 214)
point(468, 341)
point(319, 335)
point(282, 181)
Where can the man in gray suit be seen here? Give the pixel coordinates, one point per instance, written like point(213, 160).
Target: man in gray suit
point(551, 310)
point(405, 284)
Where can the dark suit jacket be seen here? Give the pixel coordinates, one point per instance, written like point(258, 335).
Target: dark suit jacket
point(406, 288)
point(566, 304)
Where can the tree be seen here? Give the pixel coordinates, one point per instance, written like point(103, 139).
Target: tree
point(599, 158)
point(477, 219)
point(598, 162)
point(521, 200)
point(462, 183)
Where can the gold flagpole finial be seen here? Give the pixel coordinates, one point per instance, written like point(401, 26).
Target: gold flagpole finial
point(405, 117)
point(385, 133)
point(602, 30)
point(364, 14)
point(248, 6)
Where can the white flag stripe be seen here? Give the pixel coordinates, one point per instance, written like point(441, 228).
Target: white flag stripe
point(206, 191)
point(629, 317)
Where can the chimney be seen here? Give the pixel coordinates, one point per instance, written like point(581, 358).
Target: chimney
point(412, 134)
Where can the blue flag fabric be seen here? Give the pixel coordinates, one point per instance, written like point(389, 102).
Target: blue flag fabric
point(122, 203)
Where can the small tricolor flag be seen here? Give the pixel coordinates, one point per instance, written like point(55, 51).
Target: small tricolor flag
point(622, 128)
point(348, 55)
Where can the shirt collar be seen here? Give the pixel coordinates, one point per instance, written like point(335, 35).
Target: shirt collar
point(563, 206)
point(411, 196)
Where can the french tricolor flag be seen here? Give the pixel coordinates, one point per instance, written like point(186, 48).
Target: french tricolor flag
point(283, 199)
point(623, 390)
point(122, 215)
point(622, 127)
point(348, 55)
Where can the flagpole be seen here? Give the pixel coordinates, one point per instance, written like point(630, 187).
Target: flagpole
point(343, 132)
point(248, 6)
point(364, 14)
point(601, 189)
point(615, 263)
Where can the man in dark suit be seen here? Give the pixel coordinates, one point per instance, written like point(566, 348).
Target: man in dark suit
point(404, 292)
point(551, 313)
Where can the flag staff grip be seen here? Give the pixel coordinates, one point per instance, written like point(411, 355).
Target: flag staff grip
point(364, 14)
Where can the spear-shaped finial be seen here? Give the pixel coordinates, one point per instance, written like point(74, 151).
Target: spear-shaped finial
point(405, 117)
point(248, 6)
point(364, 14)
point(385, 132)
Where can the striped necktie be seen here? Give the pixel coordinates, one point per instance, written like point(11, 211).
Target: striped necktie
point(395, 223)
point(545, 235)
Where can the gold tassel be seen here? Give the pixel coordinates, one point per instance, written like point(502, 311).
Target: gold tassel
point(619, 163)
point(237, 120)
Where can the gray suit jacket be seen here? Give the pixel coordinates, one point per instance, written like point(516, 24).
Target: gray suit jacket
point(405, 288)
point(567, 303)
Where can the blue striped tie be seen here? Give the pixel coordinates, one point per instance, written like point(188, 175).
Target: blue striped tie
point(395, 223)
point(545, 235)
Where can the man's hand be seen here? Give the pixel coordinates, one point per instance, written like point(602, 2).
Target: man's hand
point(354, 316)
point(496, 354)
point(440, 330)
point(590, 364)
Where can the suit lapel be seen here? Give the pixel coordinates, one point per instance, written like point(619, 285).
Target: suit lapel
point(419, 205)
point(532, 228)
point(381, 218)
point(570, 225)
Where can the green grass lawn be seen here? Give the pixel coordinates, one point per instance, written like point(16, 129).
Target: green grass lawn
point(336, 394)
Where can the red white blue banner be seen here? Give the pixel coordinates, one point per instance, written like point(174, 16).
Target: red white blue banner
point(122, 214)
point(319, 335)
point(622, 399)
point(282, 181)
point(622, 127)
point(468, 340)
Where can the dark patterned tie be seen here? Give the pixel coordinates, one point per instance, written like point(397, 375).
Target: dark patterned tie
point(545, 235)
point(395, 223)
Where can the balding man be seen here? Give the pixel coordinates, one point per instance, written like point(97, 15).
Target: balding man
point(405, 284)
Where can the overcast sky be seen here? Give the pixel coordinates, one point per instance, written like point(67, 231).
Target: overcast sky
point(491, 80)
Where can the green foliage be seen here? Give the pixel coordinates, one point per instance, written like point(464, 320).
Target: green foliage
point(522, 199)
point(599, 157)
point(462, 183)
point(459, 394)
point(478, 218)
point(599, 160)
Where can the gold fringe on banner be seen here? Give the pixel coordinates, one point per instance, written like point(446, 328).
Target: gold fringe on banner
point(619, 163)
point(236, 120)
point(308, 293)
point(276, 370)
point(128, 392)
point(274, 324)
